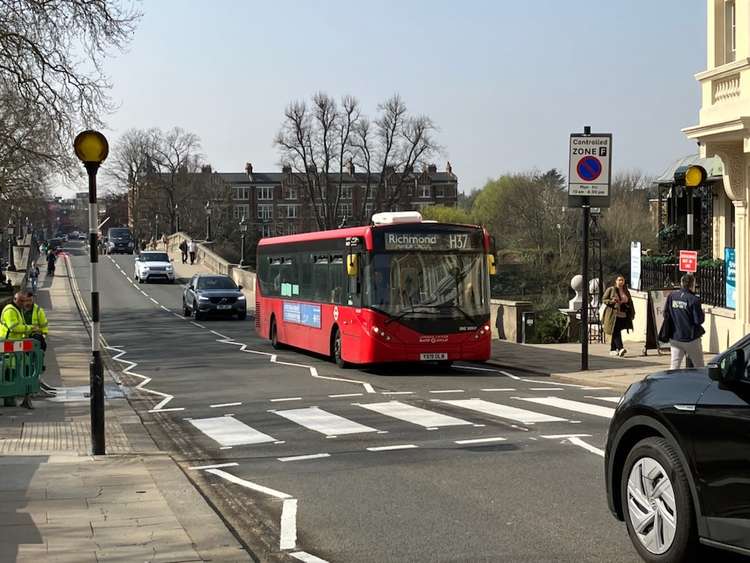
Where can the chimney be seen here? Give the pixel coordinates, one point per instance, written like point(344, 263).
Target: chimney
point(249, 169)
point(286, 168)
point(449, 168)
point(350, 166)
point(206, 169)
point(432, 169)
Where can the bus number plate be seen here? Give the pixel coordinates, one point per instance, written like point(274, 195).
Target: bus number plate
point(433, 356)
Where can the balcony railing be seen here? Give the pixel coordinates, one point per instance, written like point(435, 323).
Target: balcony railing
point(709, 281)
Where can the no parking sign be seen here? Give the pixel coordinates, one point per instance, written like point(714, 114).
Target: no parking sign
point(589, 172)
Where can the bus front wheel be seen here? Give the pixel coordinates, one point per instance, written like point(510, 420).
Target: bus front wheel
point(274, 334)
point(336, 349)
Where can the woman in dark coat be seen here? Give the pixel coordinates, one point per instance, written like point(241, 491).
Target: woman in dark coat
point(618, 314)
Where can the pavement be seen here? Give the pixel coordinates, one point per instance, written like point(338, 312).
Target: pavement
point(563, 362)
point(60, 503)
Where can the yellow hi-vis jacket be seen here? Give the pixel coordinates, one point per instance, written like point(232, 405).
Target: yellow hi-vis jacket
point(39, 318)
point(12, 324)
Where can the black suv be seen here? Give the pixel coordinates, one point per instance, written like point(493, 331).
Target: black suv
point(677, 459)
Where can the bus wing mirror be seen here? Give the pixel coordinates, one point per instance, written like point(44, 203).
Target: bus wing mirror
point(491, 266)
point(352, 265)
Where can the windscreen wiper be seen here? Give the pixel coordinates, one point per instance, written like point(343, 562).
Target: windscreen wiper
point(411, 311)
point(448, 305)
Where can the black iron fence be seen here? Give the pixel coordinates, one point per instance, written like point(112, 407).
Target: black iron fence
point(710, 282)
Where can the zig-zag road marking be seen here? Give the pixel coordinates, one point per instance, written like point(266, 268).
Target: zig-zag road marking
point(146, 380)
point(274, 360)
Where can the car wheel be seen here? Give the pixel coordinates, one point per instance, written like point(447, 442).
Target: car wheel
point(197, 315)
point(657, 503)
point(336, 349)
point(185, 309)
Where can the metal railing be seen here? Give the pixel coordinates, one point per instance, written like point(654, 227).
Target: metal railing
point(710, 281)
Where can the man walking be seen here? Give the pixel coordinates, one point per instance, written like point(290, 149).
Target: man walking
point(684, 310)
point(192, 248)
point(184, 250)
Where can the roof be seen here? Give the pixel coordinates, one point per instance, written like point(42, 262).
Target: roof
point(358, 177)
point(714, 168)
point(317, 235)
point(258, 177)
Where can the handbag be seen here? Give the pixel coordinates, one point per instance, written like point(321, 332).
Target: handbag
point(667, 329)
point(602, 309)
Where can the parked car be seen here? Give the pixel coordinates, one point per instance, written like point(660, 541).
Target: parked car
point(213, 294)
point(153, 265)
point(678, 459)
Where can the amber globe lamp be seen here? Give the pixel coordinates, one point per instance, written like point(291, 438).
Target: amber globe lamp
point(91, 147)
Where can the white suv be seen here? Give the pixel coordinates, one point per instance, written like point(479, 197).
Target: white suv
point(151, 265)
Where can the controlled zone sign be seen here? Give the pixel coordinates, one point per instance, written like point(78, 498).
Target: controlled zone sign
point(688, 261)
point(589, 170)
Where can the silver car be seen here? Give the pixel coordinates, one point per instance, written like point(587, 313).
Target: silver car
point(151, 265)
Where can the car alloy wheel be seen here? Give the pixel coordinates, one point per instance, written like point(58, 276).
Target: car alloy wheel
point(651, 505)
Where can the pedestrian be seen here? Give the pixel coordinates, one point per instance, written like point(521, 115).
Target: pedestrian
point(164, 241)
point(192, 248)
point(152, 243)
point(184, 250)
point(13, 327)
point(618, 315)
point(34, 277)
point(684, 312)
point(51, 259)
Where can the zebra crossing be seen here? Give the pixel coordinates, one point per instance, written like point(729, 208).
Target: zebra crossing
point(228, 431)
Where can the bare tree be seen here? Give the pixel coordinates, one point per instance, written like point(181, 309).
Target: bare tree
point(324, 141)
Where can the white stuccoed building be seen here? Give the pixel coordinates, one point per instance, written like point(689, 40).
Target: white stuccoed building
point(724, 131)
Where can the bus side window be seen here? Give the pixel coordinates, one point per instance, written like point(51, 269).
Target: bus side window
point(320, 278)
point(337, 273)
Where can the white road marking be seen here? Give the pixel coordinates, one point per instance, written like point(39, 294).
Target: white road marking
point(165, 308)
point(546, 389)
point(480, 440)
point(324, 422)
point(307, 557)
point(286, 399)
point(595, 388)
point(288, 532)
point(345, 395)
point(174, 409)
point(219, 405)
point(218, 334)
point(518, 378)
point(608, 399)
point(415, 415)
point(178, 315)
point(197, 324)
point(228, 431)
point(397, 392)
point(216, 466)
point(154, 300)
point(159, 407)
point(448, 391)
point(503, 411)
point(500, 389)
point(389, 448)
point(248, 484)
point(225, 448)
point(564, 436)
point(303, 457)
point(576, 406)
point(587, 447)
point(143, 292)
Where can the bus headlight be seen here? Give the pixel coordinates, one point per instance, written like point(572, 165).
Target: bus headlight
point(481, 332)
point(380, 332)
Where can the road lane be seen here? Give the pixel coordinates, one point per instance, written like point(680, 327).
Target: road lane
point(445, 495)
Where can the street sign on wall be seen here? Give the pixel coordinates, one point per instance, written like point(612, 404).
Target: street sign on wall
point(635, 265)
point(730, 277)
point(589, 169)
point(688, 261)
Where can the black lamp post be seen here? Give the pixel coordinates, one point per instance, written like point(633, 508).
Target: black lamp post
point(11, 233)
point(176, 219)
point(156, 227)
point(91, 148)
point(208, 221)
point(243, 231)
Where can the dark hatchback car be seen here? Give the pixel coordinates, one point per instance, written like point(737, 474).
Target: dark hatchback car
point(677, 459)
point(213, 294)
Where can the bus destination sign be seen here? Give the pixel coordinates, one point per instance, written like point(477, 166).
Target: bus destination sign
point(433, 241)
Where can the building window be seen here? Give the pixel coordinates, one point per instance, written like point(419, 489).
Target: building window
point(346, 192)
point(291, 229)
point(368, 211)
point(265, 212)
point(290, 192)
point(440, 191)
point(345, 210)
point(265, 193)
point(241, 193)
point(241, 211)
point(291, 212)
point(424, 190)
point(730, 37)
point(265, 231)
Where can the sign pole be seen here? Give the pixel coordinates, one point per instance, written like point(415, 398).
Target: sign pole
point(586, 207)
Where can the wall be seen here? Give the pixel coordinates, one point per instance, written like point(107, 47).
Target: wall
point(510, 322)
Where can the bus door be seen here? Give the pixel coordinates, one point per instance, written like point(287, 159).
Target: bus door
point(353, 288)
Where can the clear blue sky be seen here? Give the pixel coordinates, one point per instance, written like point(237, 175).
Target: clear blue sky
point(505, 81)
